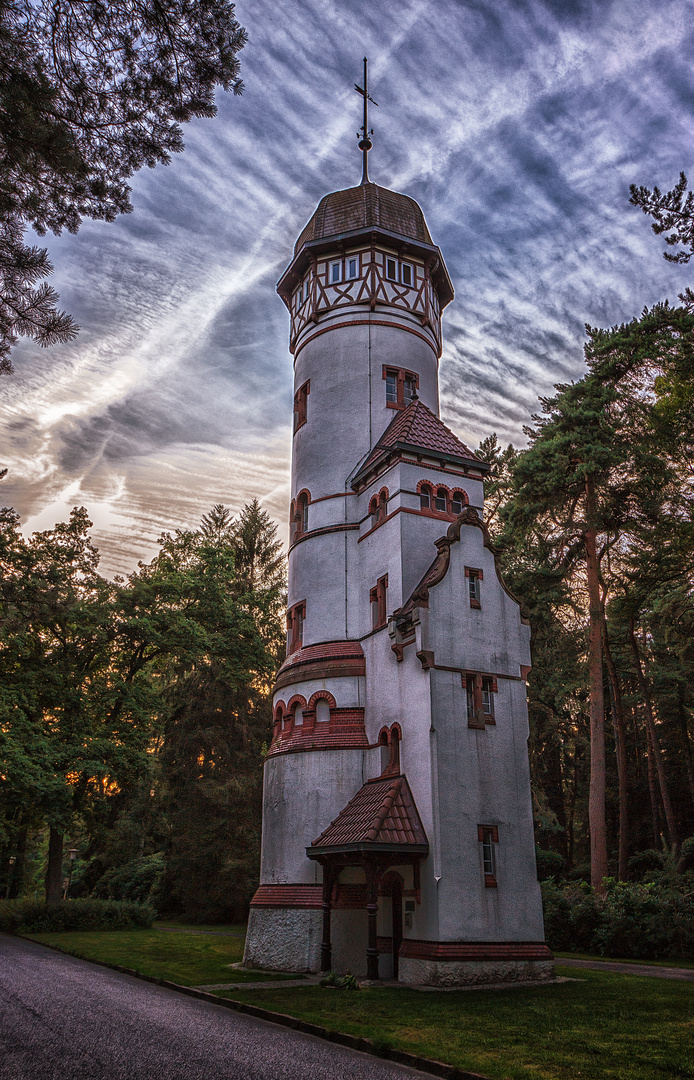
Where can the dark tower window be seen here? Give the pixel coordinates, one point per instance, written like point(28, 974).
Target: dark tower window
point(391, 269)
point(295, 627)
point(425, 498)
point(480, 691)
point(488, 836)
point(352, 265)
point(401, 387)
point(335, 273)
point(301, 405)
point(441, 500)
point(377, 597)
point(457, 503)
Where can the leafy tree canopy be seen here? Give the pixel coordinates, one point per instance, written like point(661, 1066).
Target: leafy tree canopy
point(89, 93)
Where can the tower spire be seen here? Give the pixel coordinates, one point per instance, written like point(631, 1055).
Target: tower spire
point(364, 135)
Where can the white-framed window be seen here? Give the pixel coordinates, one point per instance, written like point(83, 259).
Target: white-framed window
point(352, 268)
point(488, 837)
point(392, 269)
point(407, 274)
point(298, 716)
point(335, 272)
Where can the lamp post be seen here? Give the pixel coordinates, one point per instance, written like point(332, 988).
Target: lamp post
point(9, 875)
point(72, 854)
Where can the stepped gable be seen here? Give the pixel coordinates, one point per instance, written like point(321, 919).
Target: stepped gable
point(419, 428)
point(365, 207)
point(382, 813)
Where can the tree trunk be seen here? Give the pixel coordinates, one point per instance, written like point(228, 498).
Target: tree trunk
point(621, 752)
point(54, 869)
point(657, 755)
point(650, 761)
point(596, 798)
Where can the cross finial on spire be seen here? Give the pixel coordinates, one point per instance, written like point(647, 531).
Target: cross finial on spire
point(364, 135)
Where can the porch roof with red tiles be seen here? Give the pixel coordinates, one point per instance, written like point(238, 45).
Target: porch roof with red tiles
point(381, 816)
point(418, 428)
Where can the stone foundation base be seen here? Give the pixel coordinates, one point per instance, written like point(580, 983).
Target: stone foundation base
point(446, 973)
point(284, 939)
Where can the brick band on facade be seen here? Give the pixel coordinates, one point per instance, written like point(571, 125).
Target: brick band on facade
point(475, 950)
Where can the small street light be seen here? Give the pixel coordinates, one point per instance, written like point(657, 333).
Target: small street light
point(72, 854)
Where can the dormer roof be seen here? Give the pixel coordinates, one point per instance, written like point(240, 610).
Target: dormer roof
point(417, 428)
point(381, 816)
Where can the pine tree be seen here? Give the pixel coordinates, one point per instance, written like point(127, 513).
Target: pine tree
point(89, 93)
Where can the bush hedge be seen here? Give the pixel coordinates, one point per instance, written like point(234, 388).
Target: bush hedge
point(643, 921)
point(36, 917)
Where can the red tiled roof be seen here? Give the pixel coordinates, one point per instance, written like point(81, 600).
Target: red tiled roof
point(382, 812)
point(305, 896)
point(419, 427)
point(367, 206)
point(328, 650)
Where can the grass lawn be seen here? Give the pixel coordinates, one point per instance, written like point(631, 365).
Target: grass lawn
point(623, 960)
point(601, 1027)
point(189, 959)
point(208, 928)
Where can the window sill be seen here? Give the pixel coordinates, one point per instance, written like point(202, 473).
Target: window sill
point(490, 881)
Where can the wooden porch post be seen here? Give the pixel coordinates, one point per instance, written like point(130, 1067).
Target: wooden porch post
point(326, 947)
point(372, 878)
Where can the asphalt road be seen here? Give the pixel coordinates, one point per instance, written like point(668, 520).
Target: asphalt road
point(65, 1019)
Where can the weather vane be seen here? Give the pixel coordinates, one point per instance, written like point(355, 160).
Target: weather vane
point(364, 135)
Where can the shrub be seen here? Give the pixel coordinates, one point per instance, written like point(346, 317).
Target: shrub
point(36, 917)
point(137, 880)
point(642, 921)
point(550, 864)
point(645, 864)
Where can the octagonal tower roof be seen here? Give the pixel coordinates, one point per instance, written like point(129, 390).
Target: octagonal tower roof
point(367, 206)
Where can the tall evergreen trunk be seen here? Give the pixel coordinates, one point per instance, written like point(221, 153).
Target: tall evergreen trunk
point(621, 753)
point(653, 794)
point(54, 868)
point(673, 836)
point(686, 740)
point(596, 797)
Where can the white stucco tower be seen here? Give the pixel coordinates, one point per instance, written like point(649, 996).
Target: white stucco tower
point(397, 824)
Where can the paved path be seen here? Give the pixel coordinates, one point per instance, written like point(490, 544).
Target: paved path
point(66, 1019)
point(685, 974)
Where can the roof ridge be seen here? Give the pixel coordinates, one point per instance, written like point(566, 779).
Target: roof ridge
point(386, 804)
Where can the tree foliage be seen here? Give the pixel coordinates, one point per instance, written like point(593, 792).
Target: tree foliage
point(89, 93)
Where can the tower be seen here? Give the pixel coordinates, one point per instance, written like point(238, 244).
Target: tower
point(397, 825)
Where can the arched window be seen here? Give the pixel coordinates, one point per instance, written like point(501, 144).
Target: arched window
point(457, 502)
point(373, 511)
point(385, 749)
point(425, 497)
point(322, 711)
point(301, 515)
point(298, 716)
point(441, 503)
point(394, 757)
point(382, 506)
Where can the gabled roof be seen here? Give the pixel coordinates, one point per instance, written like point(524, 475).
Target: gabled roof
point(418, 428)
point(381, 815)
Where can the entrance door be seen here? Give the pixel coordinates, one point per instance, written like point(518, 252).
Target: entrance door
point(396, 897)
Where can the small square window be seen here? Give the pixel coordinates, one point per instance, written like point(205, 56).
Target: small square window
point(335, 272)
point(407, 275)
point(391, 269)
point(352, 268)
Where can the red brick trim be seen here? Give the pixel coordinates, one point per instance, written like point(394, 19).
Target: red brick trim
point(474, 570)
point(332, 660)
point(494, 831)
point(320, 532)
point(326, 695)
point(344, 730)
point(436, 349)
point(475, 950)
point(293, 896)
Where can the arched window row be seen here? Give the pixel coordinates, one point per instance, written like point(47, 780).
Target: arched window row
point(441, 499)
point(389, 740)
point(378, 507)
point(298, 711)
point(298, 515)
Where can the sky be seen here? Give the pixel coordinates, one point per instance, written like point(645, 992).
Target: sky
point(518, 126)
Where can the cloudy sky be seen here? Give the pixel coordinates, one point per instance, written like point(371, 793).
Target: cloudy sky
point(518, 126)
